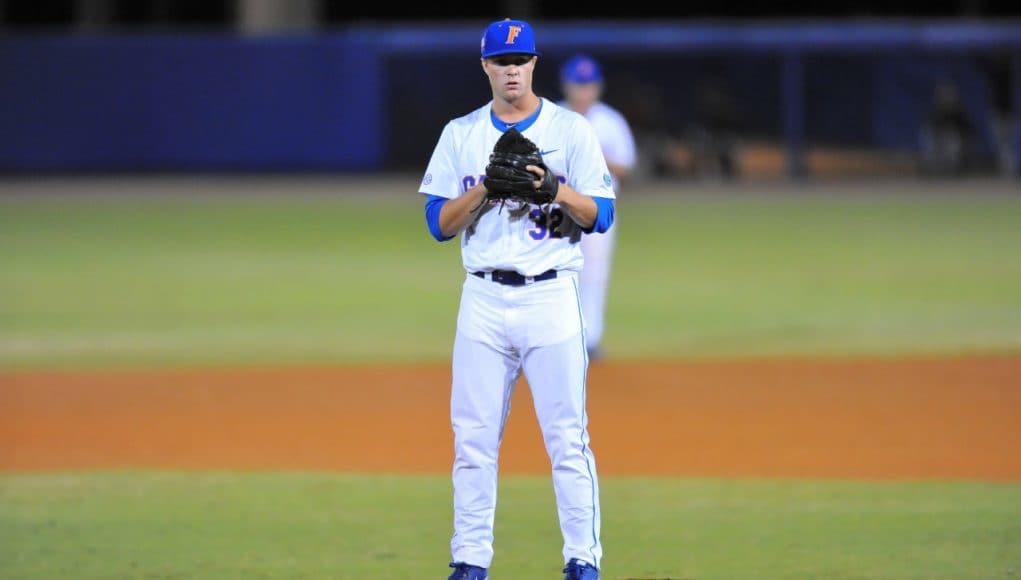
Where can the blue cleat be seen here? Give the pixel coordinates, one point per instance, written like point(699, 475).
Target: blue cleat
point(464, 571)
point(578, 570)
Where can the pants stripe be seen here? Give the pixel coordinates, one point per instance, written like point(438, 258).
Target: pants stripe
point(584, 403)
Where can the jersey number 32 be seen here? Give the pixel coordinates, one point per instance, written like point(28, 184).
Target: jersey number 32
point(546, 227)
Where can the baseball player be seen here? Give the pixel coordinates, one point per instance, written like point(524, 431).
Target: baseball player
point(520, 306)
point(582, 84)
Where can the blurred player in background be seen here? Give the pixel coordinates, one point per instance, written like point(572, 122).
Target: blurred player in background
point(582, 84)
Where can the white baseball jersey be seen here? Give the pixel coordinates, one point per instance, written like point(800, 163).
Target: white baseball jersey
point(569, 148)
point(614, 135)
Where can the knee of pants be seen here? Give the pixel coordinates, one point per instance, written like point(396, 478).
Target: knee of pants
point(476, 446)
point(564, 444)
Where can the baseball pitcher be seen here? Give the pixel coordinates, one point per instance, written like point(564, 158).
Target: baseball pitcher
point(521, 180)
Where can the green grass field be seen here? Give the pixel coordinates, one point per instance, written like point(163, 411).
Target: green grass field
point(100, 282)
point(183, 280)
point(155, 525)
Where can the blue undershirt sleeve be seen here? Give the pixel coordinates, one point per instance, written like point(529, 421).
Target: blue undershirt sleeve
point(604, 216)
point(433, 205)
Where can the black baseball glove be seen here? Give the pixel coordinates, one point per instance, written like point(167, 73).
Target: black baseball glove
point(507, 178)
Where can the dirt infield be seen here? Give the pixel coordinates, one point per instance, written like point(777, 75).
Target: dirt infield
point(854, 418)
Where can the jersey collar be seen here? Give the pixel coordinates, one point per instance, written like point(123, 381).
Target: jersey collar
point(520, 125)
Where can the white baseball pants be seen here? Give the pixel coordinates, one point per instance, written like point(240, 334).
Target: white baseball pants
point(501, 331)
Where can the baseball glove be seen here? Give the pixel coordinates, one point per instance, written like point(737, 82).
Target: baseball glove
point(507, 178)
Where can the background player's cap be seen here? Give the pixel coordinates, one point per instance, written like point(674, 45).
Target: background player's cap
point(581, 69)
point(508, 37)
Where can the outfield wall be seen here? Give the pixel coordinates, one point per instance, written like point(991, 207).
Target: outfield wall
point(366, 98)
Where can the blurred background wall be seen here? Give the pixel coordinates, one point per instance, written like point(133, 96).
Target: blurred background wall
point(279, 85)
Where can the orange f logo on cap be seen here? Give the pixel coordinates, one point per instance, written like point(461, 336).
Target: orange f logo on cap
point(512, 33)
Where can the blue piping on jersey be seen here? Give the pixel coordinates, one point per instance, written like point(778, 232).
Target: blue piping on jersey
point(433, 205)
point(604, 216)
point(520, 125)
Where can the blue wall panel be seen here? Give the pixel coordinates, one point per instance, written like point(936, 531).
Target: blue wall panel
point(134, 103)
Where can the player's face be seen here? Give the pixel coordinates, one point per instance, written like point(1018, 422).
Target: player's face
point(581, 96)
point(510, 75)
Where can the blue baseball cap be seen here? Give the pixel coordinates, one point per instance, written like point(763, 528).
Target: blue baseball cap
point(581, 69)
point(508, 37)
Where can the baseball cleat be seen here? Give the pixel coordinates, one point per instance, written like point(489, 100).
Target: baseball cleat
point(578, 570)
point(464, 571)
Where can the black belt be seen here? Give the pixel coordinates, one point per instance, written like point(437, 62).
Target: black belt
point(512, 278)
